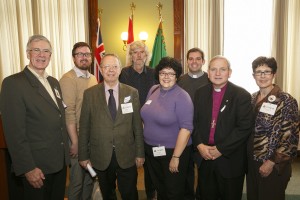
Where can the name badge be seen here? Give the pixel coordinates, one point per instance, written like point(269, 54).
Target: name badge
point(159, 151)
point(148, 102)
point(126, 108)
point(57, 93)
point(268, 108)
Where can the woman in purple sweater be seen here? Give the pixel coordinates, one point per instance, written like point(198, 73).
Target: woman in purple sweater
point(168, 124)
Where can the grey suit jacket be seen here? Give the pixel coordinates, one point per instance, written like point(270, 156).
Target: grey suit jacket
point(98, 132)
point(34, 126)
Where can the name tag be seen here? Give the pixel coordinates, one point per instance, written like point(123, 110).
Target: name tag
point(268, 108)
point(126, 108)
point(159, 151)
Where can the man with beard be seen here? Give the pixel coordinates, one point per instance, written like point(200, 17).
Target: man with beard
point(73, 84)
point(138, 75)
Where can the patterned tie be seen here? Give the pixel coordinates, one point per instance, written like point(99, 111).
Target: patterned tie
point(112, 104)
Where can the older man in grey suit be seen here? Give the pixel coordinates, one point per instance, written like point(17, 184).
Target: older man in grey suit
point(111, 132)
point(34, 125)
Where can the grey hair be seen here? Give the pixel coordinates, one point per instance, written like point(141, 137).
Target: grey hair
point(35, 38)
point(112, 55)
point(219, 57)
point(134, 45)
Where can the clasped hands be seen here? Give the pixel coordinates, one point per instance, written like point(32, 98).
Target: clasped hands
point(208, 152)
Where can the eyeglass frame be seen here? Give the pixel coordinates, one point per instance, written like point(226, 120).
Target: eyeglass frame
point(37, 51)
point(265, 73)
point(164, 74)
point(107, 67)
point(81, 55)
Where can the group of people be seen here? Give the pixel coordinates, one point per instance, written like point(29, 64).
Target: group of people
point(158, 119)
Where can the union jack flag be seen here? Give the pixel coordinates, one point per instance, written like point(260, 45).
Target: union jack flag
point(99, 53)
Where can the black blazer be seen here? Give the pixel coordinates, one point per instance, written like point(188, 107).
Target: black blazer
point(34, 126)
point(234, 125)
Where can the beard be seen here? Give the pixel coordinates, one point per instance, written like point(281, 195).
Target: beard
point(83, 67)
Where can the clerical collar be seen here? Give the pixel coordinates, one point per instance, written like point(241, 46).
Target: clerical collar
point(217, 89)
point(220, 89)
point(197, 75)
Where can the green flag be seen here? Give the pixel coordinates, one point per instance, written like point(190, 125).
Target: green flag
point(159, 48)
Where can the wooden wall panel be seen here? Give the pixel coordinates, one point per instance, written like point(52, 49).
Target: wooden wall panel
point(93, 15)
point(178, 6)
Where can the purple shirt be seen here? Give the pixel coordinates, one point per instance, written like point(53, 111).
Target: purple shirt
point(164, 114)
point(217, 100)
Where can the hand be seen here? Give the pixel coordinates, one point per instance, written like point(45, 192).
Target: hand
point(74, 150)
point(139, 162)
point(84, 163)
point(266, 168)
point(173, 166)
point(35, 177)
point(205, 151)
point(215, 153)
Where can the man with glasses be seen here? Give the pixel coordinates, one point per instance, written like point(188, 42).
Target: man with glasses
point(222, 124)
point(73, 84)
point(111, 133)
point(33, 115)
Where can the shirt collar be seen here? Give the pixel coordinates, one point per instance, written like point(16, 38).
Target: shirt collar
point(45, 75)
point(115, 88)
point(196, 75)
point(79, 73)
point(144, 70)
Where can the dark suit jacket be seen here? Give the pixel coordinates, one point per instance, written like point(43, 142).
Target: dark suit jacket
point(234, 125)
point(98, 131)
point(34, 127)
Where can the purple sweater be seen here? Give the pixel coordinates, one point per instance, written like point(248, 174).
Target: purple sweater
point(164, 114)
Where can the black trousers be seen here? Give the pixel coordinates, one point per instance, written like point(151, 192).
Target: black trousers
point(213, 186)
point(126, 179)
point(189, 193)
point(53, 188)
point(270, 187)
point(170, 186)
point(149, 187)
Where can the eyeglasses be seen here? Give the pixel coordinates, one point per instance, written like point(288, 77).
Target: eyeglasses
point(164, 74)
point(106, 67)
point(37, 51)
point(81, 55)
point(260, 73)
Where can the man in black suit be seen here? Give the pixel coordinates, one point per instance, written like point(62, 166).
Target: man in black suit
point(222, 124)
point(34, 125)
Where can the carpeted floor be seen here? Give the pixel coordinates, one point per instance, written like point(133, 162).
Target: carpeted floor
point(292, 192)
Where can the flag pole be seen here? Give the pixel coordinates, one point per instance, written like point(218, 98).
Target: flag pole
point(132, 8)
point(159, 7)
point(100, 11)
point(159, 47)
